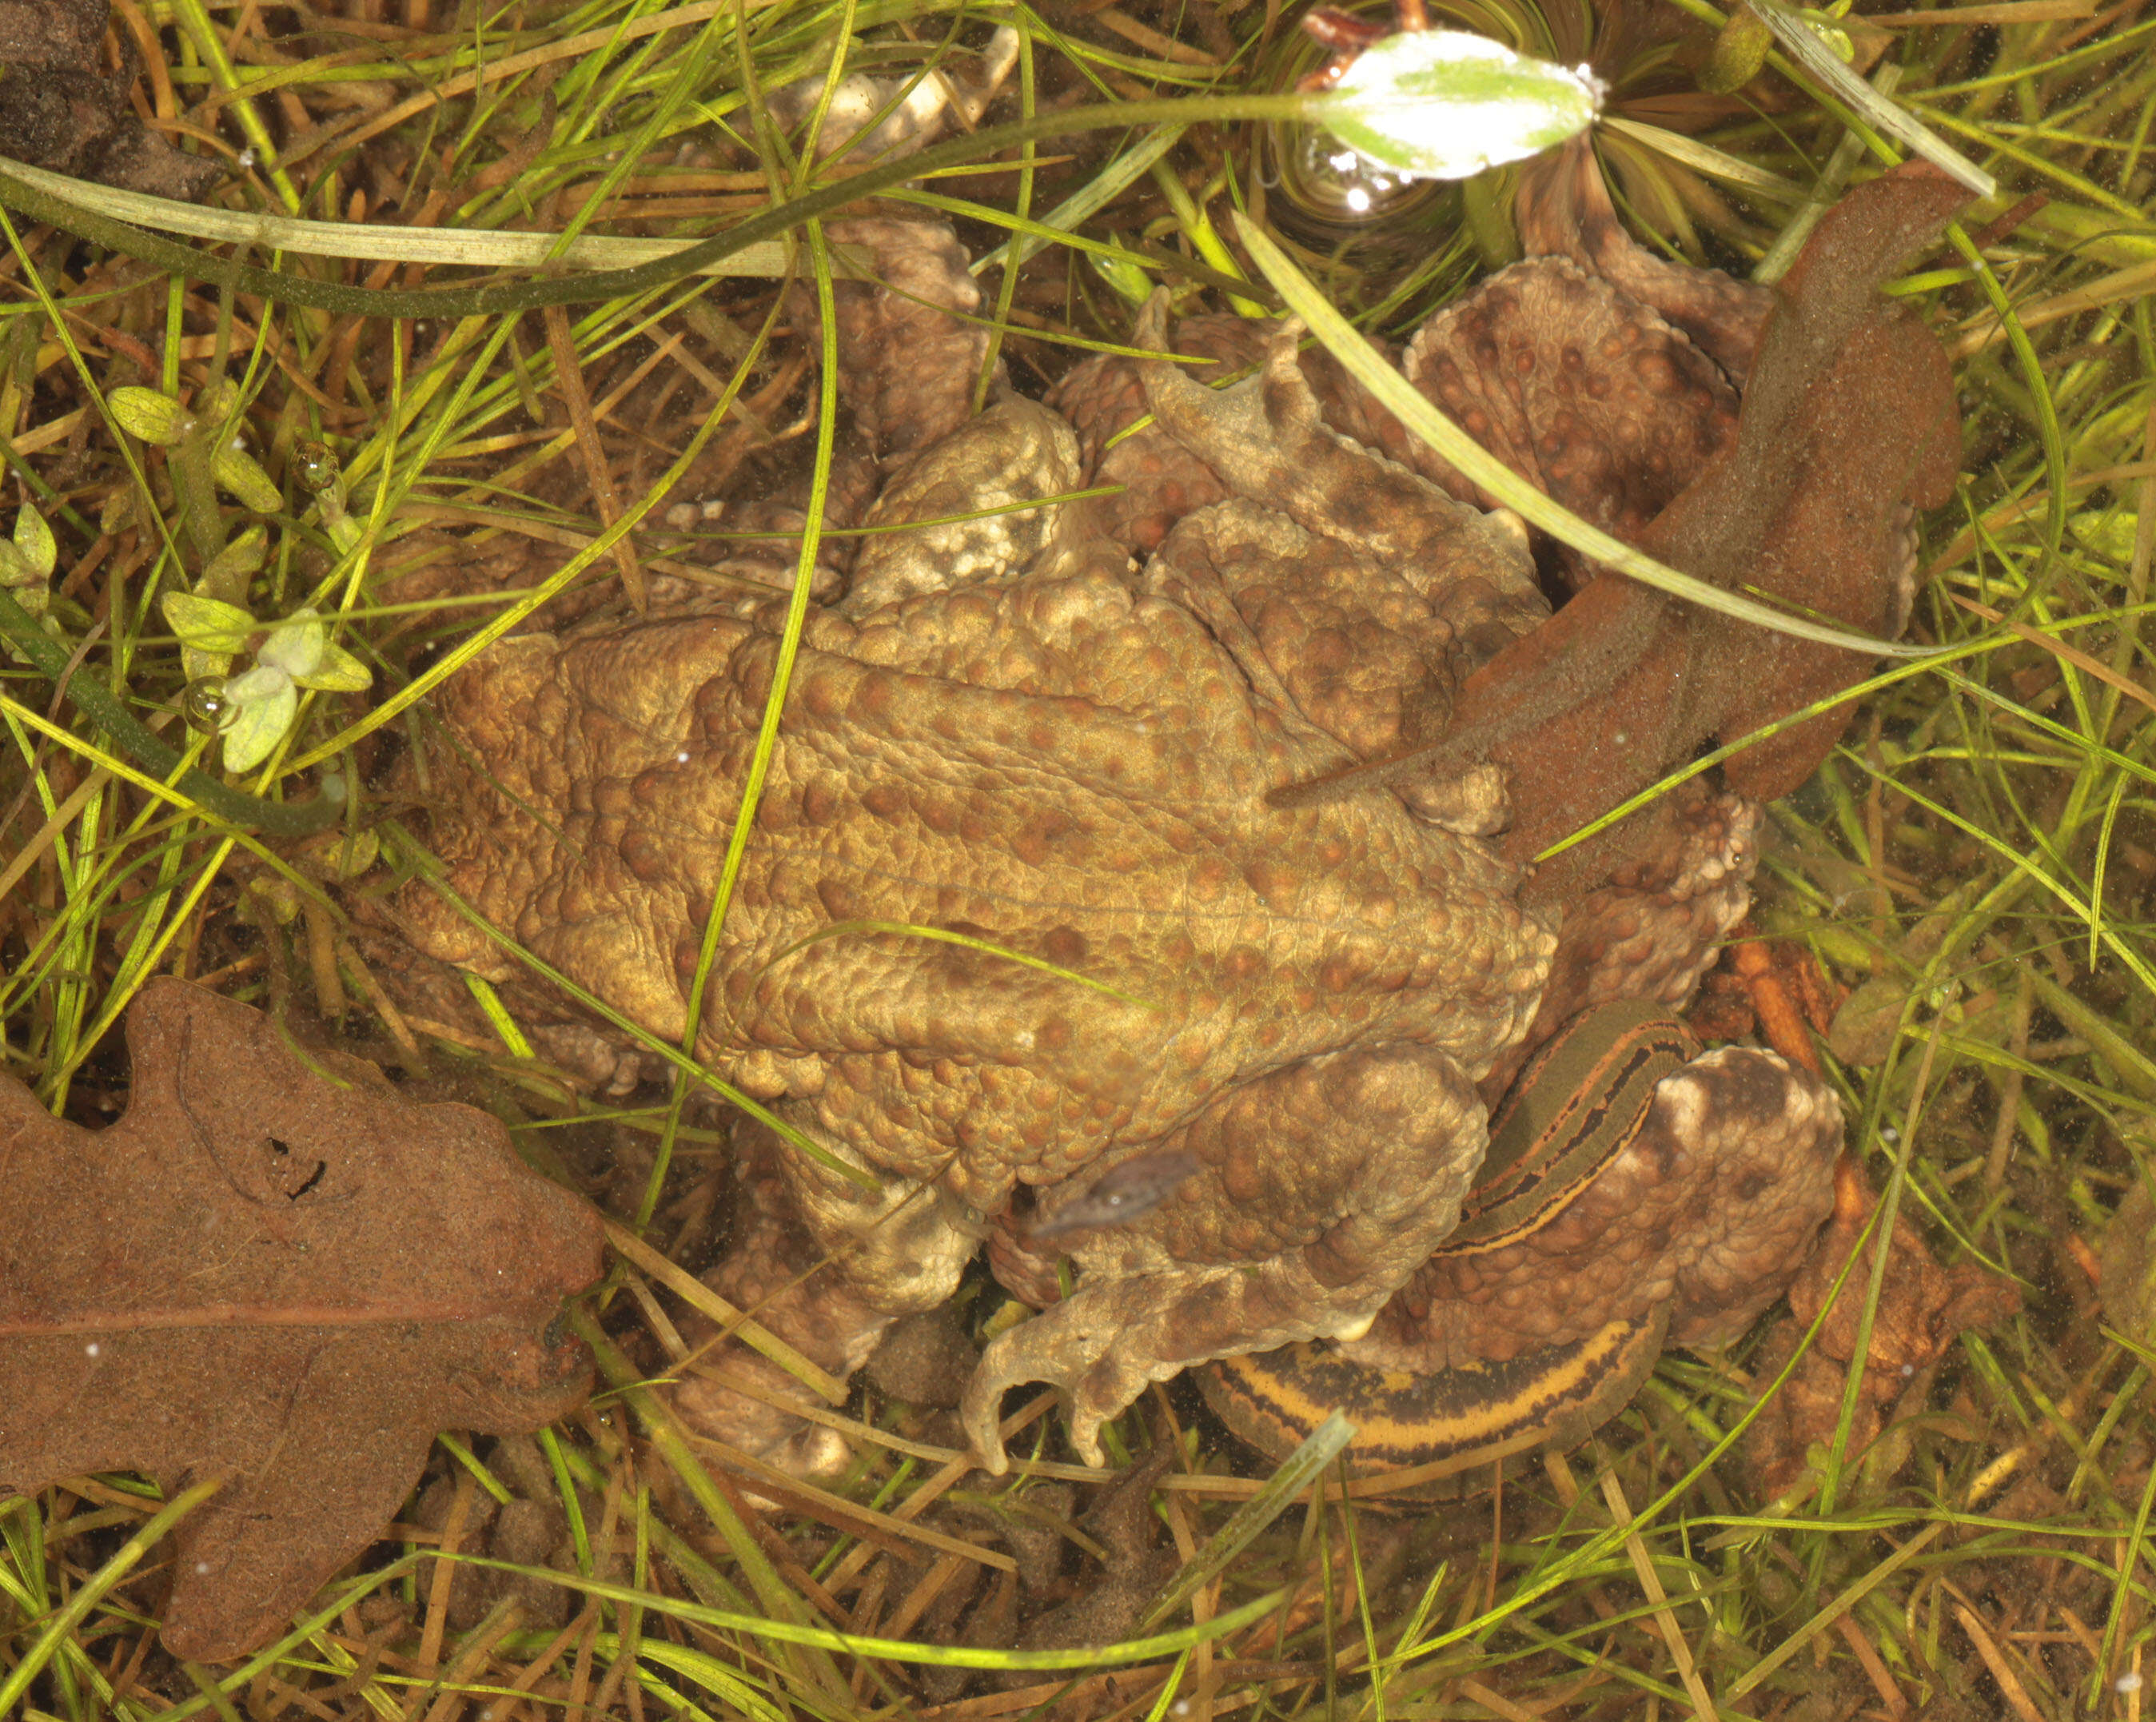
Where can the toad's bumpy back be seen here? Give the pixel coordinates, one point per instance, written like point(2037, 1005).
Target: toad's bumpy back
point(1031, 891)
point(1014, 909)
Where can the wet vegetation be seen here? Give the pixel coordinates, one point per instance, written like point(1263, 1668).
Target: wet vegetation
point(420, 295)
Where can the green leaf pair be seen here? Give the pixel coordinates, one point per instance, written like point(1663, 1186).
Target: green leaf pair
point(259, 704)
point(158, 418)
point(26, 564)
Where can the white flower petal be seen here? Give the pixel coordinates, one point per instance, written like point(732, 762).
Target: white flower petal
point(297, 646)
point(258, 724)
point(264, 681)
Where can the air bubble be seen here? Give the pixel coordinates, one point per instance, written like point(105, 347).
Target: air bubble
point(203, 706)
point(1329, 185)
point(316, 464)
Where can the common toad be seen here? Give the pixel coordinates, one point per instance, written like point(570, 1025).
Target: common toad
point(1066, 759)
point(1025, 899)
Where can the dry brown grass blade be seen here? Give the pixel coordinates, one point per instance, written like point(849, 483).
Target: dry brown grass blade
point(888, 1531)
point(515, 65)
point(2116, 288)
point(695, 1292)
point(569, 382)
point(2002, 1671)
point(1847, 1599)
point(2059, 648)
point(472, 1656)
point(1665, 1616)
point(1882, 1683)
point(1497, 1703)
point(444, 1573)
point(2007, 12)
point(545, 532)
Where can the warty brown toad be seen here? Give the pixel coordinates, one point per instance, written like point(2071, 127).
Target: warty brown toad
point(1015, 907)
point(1020, 903)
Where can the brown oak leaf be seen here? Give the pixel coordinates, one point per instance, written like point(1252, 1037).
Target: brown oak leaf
point(286, 1276)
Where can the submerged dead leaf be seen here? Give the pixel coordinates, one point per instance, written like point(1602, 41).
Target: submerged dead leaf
point(287, 1277)
point(2126, 1278)
point(59, 109)
point(1922, 1309)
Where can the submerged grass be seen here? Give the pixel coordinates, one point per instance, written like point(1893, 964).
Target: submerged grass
point(1977, 866)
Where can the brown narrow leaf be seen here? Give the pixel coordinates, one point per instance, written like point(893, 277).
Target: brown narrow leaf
point(569, 379)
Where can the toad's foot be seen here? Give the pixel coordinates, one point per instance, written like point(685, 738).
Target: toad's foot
point(824, 1268)
point(1102, 1346)
point(1260, 1246)
point(735, 1399)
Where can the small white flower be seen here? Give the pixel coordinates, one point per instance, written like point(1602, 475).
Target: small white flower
point(1445, 104)
point(262, 703)
point(297, 648)
point(259, 704)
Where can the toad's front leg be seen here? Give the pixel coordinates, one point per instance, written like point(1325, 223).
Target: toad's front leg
point(1321, 1186)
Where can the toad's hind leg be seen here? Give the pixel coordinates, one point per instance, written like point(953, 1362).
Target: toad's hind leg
point(825, 1265)
point(1629, 1197)
point(1319, 1188)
